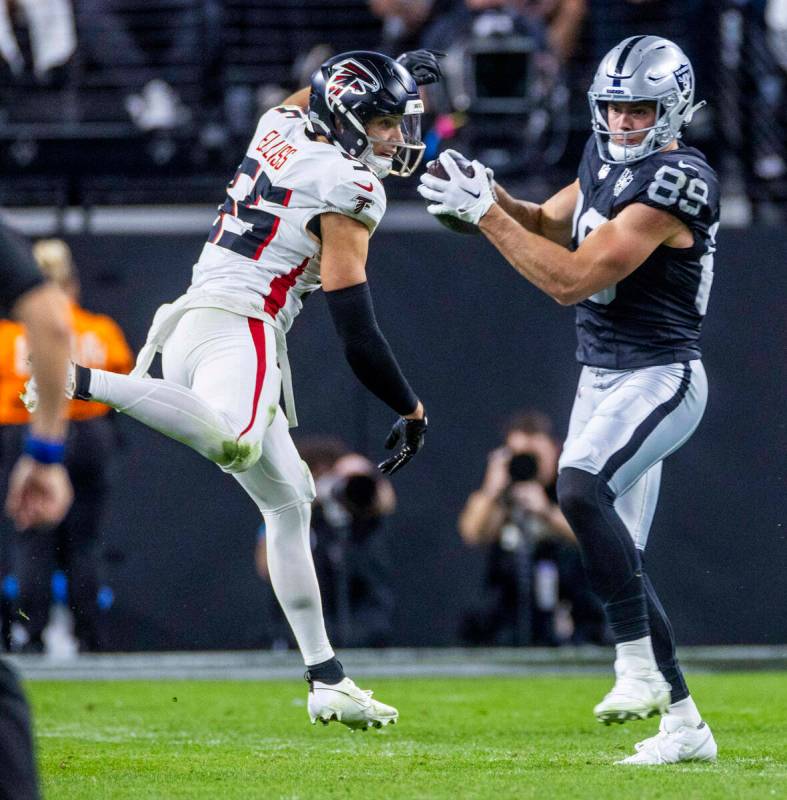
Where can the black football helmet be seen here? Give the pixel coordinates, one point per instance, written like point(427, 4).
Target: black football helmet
point(352, 88)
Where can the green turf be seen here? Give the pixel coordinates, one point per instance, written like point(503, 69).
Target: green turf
point(457, 738)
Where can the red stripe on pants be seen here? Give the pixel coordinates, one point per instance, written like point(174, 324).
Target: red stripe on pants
point(257, 328)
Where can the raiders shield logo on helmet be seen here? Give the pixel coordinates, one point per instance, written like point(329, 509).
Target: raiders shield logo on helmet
point(683, 77)
point(348, 76)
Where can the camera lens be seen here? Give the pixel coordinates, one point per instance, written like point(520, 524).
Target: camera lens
point(360, 491)
point(523, 467)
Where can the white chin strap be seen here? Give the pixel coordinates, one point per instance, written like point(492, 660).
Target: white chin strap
point(624, 153)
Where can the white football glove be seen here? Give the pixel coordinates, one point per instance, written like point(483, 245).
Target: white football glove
point(459, 196)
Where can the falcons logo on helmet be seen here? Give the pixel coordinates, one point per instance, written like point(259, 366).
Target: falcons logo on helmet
point(348, 76)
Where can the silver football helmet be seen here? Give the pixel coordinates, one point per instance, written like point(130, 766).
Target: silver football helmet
point(646, 68)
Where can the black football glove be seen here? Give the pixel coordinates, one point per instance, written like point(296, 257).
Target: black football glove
point(409, 435)
point(422, 65)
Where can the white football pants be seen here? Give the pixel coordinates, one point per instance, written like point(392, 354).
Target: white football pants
point(220, 396)
point(624, 423)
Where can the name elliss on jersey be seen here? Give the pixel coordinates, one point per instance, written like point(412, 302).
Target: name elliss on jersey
point(275, 149)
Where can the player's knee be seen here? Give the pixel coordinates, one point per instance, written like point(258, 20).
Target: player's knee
point(238, 455)
point(579, 493)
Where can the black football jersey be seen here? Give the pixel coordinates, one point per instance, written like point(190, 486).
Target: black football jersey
point(654, 315)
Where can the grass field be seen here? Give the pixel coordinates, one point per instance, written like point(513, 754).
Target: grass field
point(458, 738)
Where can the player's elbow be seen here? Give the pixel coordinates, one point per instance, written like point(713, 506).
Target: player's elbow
point(588, 277)
point(567, 293)
point(563, 296)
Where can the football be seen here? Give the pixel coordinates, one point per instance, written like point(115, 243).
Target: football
point(453, 223)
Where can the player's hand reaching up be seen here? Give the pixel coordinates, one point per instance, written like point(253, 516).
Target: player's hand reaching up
point(407, 435)
point(422, 65)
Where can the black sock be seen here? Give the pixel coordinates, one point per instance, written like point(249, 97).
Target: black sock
point(82, 383)
point(329, 671)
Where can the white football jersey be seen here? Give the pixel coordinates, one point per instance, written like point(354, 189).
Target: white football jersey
point(263, 250)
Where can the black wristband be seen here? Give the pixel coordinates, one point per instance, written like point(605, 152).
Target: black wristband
point(366, 350)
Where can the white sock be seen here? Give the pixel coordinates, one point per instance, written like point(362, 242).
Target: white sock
point(168, 408)
point(291, 568)
point(635, 655)
point(687, 710)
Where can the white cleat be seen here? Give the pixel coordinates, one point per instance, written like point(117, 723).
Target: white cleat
point(29, 397)
point(676, 741)
point(344, 702)
point(637, 694)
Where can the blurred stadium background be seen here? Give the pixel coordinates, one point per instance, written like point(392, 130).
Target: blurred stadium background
point(121, 121)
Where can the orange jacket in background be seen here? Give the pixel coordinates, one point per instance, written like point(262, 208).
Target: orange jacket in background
point(97, 341)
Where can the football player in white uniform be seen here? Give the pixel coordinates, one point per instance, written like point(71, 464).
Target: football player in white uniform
point(631, 243)
point(297, 217)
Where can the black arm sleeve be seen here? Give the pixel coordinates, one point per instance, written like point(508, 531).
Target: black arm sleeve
point(366, 350)
point(18, 270)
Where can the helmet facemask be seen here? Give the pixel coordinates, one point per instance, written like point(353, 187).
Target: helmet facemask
point(409, 151)
point(635, 144)
point(355, 140)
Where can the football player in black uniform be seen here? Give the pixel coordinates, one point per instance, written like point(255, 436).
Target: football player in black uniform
point(39, 491)
point(631, 244)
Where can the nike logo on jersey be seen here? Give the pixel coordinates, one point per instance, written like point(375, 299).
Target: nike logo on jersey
point(472, 194)
point(364, 186)
point(687, 166)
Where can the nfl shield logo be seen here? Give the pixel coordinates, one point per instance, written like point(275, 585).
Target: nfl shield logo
point(603, 171)
point(623, 181)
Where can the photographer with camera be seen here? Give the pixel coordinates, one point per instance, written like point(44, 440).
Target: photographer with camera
point(533, 559)
point(349, 545)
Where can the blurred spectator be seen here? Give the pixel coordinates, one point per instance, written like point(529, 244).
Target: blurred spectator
point(776, 21)
point(51, 34)
point(776, 32)
point(405, 20)
point(502, 71)
point(564, 19)
point(107, 39)
point(532, 557)
point(764, 93)
point(73, 545)
point(349, 543)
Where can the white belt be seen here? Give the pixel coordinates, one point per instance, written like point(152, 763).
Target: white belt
point(164, 322)
point(286, 376)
